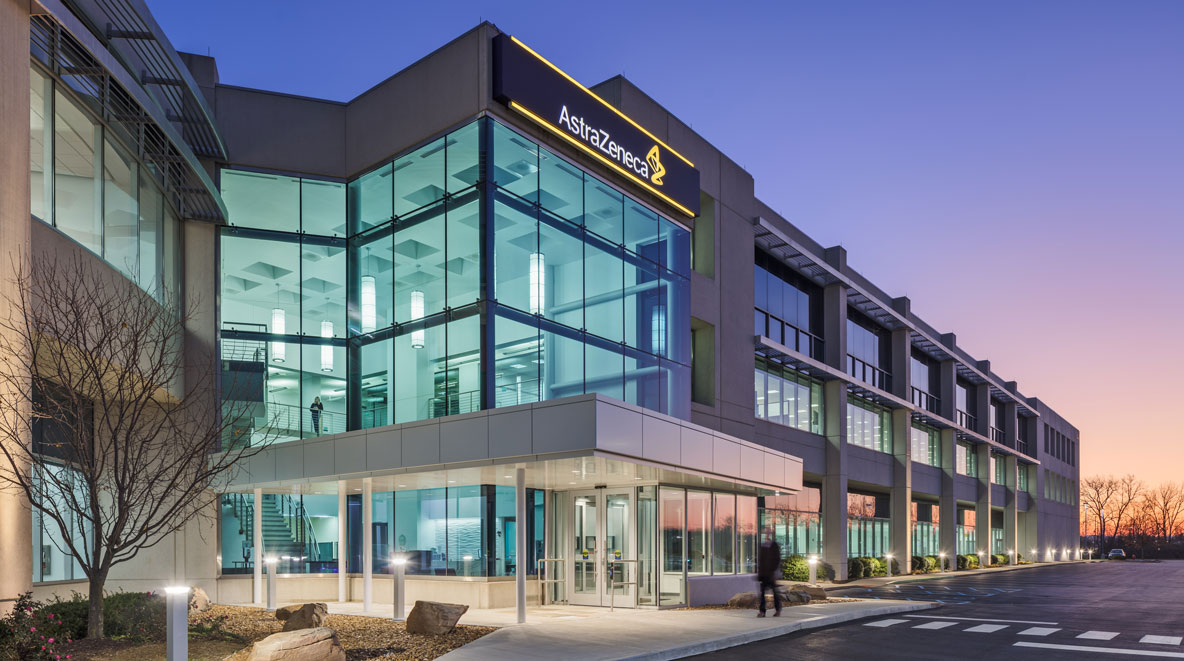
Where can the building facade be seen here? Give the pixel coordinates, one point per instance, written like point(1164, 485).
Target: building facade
point(500, 325)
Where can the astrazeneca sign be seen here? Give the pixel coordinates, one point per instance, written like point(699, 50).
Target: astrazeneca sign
point(531, 85)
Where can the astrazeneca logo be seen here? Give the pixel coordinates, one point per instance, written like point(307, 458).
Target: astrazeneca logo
point(649, 168)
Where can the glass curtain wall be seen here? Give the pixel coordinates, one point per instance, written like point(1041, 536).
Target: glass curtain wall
point(787, 397)
point(868, 525)
point(795, 520)
point(926, 445)
point(965, 531)
point(329, 289)
point(869, 425)
point(87, 184)
point(926, 528)
point(788, 306)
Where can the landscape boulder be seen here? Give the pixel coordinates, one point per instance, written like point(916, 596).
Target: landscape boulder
point(433, 617)
point(744, 600)
point(199, 601)
point(318, 644)
point(813, 589)
point(302, 616)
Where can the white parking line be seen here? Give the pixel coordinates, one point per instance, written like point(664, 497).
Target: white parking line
point(985, 628)
point(1039, 631)
point(1161, 640)
point(1098, 635)
point(977, 619)
point(935, 625)
point(1100, 650)
point(884, 623)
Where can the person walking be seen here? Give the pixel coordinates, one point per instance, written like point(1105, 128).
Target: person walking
point(768, 565)
point(316, 409)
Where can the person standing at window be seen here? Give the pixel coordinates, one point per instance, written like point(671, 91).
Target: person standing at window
point(316, 409)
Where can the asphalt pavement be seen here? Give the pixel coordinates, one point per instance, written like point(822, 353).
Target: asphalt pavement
point(1072, 611)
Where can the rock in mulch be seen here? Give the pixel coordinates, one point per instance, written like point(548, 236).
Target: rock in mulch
point(744, 600)
point(302, 616)
point(199, 601)
point(433, 617)
point(318, 644)
point(752, 600)
point(813, 589)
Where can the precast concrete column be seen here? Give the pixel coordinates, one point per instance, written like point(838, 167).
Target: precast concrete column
point(1010, 514)
point(902, 349)
point(1011, 428)
point(901, 542)
point(257, 536)
point(367, 543)
point(834, 325)
point(834, 483)
point(982, 508)
point(947, 503)
point(982, 406)
point(342, 542)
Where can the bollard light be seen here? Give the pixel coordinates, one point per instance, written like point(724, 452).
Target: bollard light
point(399, 563)
point(1011, 552)
point(980, 560)
point(1035, 555)
point(468, 559)
point(271, 562)
point(888, 563)
point(813, 561)
point(942, 555)
point(177, 622)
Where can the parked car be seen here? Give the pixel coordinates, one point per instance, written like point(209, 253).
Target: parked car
point(1116, 554)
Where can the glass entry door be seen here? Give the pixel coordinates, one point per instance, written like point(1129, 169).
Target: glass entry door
point(602, 571)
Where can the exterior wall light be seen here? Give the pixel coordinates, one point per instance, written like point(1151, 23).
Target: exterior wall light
point(417, 314)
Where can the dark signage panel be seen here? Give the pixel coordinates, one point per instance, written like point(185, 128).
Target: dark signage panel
point(534, 87)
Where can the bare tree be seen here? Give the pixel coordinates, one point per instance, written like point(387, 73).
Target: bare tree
point(111, 436)
point(1166, 505)
point(1127, 492)
point(1097, 494)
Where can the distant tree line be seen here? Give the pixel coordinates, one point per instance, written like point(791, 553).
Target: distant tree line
point(1124, 512)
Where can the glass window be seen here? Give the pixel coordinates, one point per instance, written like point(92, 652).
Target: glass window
point(698, 525)
point(641, 231)
point(376, 369)
point(260, 281)
point(463, 379)
point(121, 241)
point(676, 248)
point(562, 364)
point(463, 157)
point(555, 280)
point(371, 199)
point(747, 534)
point(516, 356)
point(643, 382)
point(603, 286)
point(723, 540)
point(421, 531)
point(322, 207)
point(919, 375)
point(868, 425)
point(603, 210)
point(561, 187)
point(151, 212)
point(322, 406)
point(463, 260)
point(515, 163)
point(466, 531)
point(419, 178)
point(604, 369)
point(322, 287)
point(421, 363)
point(645, 307)
point(40, 145)
point(419, 264)
point(262, 201)
point(516, 257)
point(77, 188)
point(238, 533)
point(926, 443)
point(672, 523)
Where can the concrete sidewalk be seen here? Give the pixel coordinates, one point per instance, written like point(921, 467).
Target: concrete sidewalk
point(668, 634)
point(880, 581)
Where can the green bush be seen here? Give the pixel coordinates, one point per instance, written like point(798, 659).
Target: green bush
point(73, 613)
point(930, 563)
point(32, 631)
point(796, 567)
point(138, 616)
point(968, 561)
point(855, 568)
point(999, 559)
point(918, 564)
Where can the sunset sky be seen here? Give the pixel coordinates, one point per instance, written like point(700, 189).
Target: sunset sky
point(1015, 168)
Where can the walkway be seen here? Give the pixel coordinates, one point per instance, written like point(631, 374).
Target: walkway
point(668, 634)
point(879, 581)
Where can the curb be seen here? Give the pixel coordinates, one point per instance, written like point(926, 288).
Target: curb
point(955, 574)
point(788, 628)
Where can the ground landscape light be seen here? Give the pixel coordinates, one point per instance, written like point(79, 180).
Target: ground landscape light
point(176, 589)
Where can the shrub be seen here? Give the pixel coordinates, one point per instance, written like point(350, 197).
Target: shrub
point(855, 568)
point(876, 566)
point(137, 616)
point(968, 561)
point(918, 563)
point(999, 559)
point(931, 563)
point(32, 631)
point(796, 567)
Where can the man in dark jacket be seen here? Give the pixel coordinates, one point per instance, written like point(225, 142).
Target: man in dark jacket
point(768, 566)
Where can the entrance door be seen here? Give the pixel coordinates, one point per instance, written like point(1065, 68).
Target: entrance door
point(601, 548)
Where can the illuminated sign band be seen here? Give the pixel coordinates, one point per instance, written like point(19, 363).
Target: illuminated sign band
point(531, 85)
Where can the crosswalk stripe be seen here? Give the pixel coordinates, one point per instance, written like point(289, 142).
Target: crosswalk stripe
point(1161, 640)
point(1039, 631)
point(1099, 650)
point(1098, 635)
point(884, 623)
point(935, 625)
point(985, 628)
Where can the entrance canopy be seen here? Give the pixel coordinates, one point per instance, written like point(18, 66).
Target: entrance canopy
point(570, 443)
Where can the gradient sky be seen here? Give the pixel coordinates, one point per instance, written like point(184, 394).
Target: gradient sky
point(1015, 167)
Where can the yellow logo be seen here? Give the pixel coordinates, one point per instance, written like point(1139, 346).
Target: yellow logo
point(659, 171)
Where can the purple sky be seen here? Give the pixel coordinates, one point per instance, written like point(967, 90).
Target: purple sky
point(1015, 167)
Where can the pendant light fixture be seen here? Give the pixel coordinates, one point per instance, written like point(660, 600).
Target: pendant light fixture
point(658, 330)
point(279, 350)
point(327, 349)
point(369, 316)
point(416, 315)
point(538, 282)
